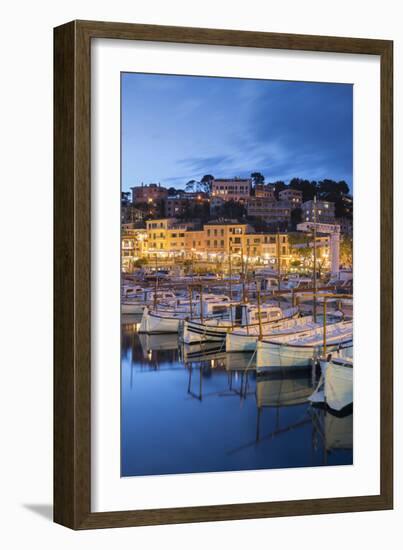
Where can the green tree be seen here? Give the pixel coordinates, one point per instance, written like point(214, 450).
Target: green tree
point(257, 177)
point(191, 186)
point(301, 249)
point(328, 189)
point(233, 210)
point(346, 250)
point(296, 217)
point(206, 183)
point(125, 198)
point(278, 186)
point(298, 238)
point(140, 262)
point(308, 188)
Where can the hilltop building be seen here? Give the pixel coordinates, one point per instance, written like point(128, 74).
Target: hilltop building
point(233, 189)
point(268, 210)
point(325, 211)
point(294, 196)
point(184, 203)
point(265, 191)
point(150, 193)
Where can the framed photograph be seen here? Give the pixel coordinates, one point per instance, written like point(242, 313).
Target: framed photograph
point(223, 234)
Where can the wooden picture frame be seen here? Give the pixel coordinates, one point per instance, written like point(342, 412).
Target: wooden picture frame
point(72, 272)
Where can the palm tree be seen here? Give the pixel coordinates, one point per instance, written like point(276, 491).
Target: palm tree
point(206, 183)
point(191, 186)
point(257, 178)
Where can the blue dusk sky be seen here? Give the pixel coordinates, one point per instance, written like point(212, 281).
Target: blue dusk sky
point(177, 128)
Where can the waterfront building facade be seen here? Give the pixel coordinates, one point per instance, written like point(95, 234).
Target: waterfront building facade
point(270, 247)
point(133, 246)
point(168, 239)
point(224, 236)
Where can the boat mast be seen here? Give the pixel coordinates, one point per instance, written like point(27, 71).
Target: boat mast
point(278, 260)
point(259, 311)
point(246, 271)
point(201, 303)
point(230, 287)
point(324, 326)
point(243, 277)
point(314, 260)
point(278, 265)
point(230, 275)
point(156, 282)
point(191, 301)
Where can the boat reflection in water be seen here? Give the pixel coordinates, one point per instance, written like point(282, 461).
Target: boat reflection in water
point(200, 409)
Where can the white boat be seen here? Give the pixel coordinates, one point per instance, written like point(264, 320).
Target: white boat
point(132, 292)
point(167, 321)
point(132, 307)
point(244, 338)
point(148, 298)
point(161, 322)
point(295, 282)
point(335, 387)
point(216, 330)
point(211, 305)
point(299, 350)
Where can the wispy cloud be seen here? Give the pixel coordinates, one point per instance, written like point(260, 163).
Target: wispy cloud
point(178, 128)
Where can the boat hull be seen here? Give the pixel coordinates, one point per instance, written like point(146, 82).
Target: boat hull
point(133, 308)
point(194, 333)
point(152, 323)
point(240, 342)
point(338, 388)
point(271, 355)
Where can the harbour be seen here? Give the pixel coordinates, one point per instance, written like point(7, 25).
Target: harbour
point(190, 409)
point(253, 371)
point(237, 305)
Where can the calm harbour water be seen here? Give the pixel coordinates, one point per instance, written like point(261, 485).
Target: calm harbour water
point(183, 414)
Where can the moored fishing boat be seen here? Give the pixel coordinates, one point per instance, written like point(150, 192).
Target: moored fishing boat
point(298, 351)
point(335, 387)
point(216, 330)
point(132, 307)
point(130, 292)
point(243, 339)
point(147, 298)
point(160, 321)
